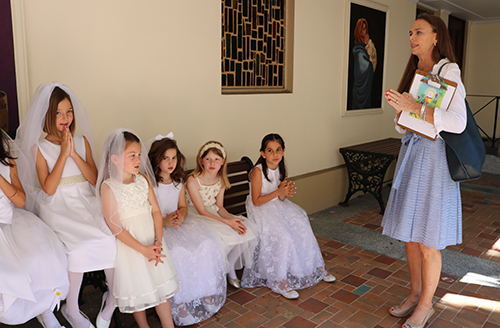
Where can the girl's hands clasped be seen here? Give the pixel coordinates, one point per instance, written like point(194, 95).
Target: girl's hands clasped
point(173, 219)
point(237, 225)
point(286, 189)
point(67, 145)
point(153, 252)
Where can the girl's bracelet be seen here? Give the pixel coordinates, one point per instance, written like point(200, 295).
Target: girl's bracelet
point(17, 193)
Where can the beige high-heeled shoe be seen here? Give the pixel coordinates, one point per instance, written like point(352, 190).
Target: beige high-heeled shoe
point(400, 313)
point(409, 324)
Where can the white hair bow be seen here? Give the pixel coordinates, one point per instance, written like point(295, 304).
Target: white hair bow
point(170, 136)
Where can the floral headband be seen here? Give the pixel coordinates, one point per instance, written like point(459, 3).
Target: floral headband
point(213, 145)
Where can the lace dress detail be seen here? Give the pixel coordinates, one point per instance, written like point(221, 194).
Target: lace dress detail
point(139, 284)
point(228, 237)
point(198, 258)
point(287, 255)
point(33, 264)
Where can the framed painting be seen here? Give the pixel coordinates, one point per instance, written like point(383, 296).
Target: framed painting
point(366, 47)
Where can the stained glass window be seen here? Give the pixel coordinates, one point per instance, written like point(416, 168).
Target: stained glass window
point(254, 46)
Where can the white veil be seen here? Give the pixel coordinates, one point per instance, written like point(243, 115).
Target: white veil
point(30, 131)
point(114, 145)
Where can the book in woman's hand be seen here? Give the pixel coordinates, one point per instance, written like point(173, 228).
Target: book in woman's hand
point(432, 91)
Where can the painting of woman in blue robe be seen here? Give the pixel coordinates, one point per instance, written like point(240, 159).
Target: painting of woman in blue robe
point(365, 63)
point(366, 58)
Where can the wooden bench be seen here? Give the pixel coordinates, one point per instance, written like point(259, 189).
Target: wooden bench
point(366, 167)
point(234, 202)
point(235, 197)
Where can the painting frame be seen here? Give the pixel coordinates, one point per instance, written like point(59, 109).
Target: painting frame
point(370, 90)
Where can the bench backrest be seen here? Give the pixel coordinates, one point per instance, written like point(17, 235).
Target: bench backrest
point(235, 197)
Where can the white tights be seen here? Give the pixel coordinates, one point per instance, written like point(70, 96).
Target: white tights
point(107, 312)
point(72, 307)
point(49, 319)
point(232, 257)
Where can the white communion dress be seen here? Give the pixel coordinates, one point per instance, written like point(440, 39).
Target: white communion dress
point(33, 264)
point(198, 258)
point(75, 214)
point(287, 255)
point(228, 237)
point(139, 284)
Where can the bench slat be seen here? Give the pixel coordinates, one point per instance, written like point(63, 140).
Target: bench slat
point(237, 167)
point(237, 210)
point(238, 177)
point(237, 189)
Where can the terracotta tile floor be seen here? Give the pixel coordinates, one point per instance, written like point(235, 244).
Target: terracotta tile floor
point(369, 283)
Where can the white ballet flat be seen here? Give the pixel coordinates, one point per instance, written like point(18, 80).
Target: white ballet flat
point(99, 321)
point(329, 278)
point(291, 295)
point(210, 307)
point(187, 320)
point(65, 315)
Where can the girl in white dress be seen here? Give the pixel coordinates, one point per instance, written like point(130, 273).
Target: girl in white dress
point(206, 186)
point(195, 249)
point(63, 166)
point(287, 256)
point(33, 269)
point(145, 275)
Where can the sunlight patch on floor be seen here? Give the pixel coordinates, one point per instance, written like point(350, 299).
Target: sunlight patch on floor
point(454, 300)
point(479, 279)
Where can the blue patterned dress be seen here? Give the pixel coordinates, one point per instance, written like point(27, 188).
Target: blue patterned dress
point(424, 205)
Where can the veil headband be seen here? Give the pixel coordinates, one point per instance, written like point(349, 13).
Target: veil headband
point(213, 145)
point(115, 144)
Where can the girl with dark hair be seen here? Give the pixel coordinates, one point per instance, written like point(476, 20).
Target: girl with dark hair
point(287, 256)
point(195, 249)
point(424, 208)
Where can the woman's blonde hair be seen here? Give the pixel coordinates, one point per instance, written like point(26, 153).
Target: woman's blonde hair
point(49, 125)
point(218, 149)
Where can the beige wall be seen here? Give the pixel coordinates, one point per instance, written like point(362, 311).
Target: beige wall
point(154, 66)
point(482, 71)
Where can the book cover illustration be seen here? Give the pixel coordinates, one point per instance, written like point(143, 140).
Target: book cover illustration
point(432, 91)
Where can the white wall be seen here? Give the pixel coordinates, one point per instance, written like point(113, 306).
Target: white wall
point(154, 66)
point(482, 71)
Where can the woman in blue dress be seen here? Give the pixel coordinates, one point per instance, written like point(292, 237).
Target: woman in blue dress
point(424, 207)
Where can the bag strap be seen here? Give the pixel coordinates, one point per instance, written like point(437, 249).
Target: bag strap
point(439, 72)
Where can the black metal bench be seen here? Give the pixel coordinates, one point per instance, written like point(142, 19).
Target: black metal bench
point(366, 166)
